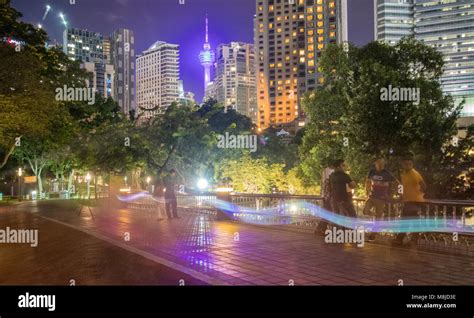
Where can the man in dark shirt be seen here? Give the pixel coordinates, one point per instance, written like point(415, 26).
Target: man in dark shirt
point(377, 187)
point(340, 182)
point(171, 204)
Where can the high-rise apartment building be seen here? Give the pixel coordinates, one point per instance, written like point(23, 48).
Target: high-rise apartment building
point(448, 26)
point(289, 39)
point(157, 78)
point(122, 57)
point(235, 83)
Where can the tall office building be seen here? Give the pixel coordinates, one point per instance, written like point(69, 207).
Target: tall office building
point(289, 39)
point(122, 57)
point(157, 79)
point(88, 48)
point(394, 19)
point(448, 26)
point(235, 83)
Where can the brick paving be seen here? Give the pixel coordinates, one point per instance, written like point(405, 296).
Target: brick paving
point(63, 255)
point(241, 254)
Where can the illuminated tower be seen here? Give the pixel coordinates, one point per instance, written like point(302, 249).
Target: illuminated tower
point(207, 59)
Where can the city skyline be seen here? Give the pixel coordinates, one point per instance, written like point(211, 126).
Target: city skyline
point(236, 25)
point(311, 161)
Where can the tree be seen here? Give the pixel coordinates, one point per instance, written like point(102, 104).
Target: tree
point(350, 119)
point(253, 175)
point(27, 103)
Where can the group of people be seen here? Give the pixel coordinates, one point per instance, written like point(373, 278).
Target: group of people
point(380, 186)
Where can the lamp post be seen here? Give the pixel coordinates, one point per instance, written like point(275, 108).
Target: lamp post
point(20, 173)
point(88, 179)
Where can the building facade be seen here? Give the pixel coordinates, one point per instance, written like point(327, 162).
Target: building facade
point(157, 79)
point(448, 26)
point(394, 19)
point(107, 59)
point(289, 39)
point(83, 45)
point(235, 83)
point(91, 49)
point(102, 78)
point(122, 57)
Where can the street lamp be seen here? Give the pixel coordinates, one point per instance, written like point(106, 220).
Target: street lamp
point(202, 184)
point(20, 173)
point(88, 179)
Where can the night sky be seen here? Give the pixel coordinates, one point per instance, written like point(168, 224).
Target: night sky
point(167, 20)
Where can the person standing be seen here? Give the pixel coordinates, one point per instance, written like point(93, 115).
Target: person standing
point(413, 188)
point(339, 181)
point(377, 186)
point(325, 195)
point(171, 203)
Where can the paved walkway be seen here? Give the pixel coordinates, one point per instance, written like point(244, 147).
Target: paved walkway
point(64, 256)
point(220, 252)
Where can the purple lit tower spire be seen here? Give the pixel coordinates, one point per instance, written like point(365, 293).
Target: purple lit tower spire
point(207, 58)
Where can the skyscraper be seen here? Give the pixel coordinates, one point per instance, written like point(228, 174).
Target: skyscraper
point(122, 56)
point(207, 58)
point(289, 39)
point(83, 45)
point(394, 19)
point(88, 48)
point(235, 83)
point(448, 26)
point(157, 78)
